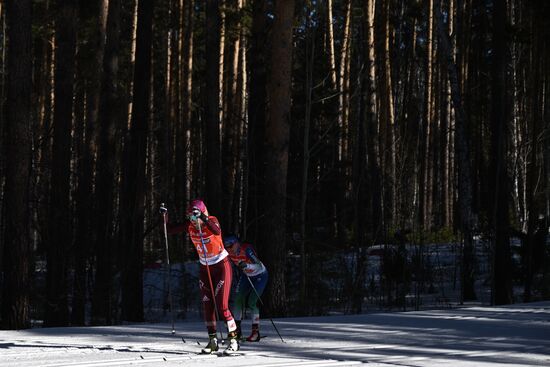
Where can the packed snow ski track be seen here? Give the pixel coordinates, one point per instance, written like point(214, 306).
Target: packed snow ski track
point(517, 335)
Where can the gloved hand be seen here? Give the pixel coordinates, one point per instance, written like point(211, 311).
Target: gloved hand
point(197, 214)
point(194, 215)
point(164, 213)
point(242, 265)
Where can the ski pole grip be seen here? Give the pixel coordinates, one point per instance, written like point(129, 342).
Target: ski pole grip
point(162, 209)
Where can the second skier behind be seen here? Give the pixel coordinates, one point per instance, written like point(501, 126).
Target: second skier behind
point(250, 284)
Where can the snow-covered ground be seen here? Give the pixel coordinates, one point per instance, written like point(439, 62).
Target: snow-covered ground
point(517, 335)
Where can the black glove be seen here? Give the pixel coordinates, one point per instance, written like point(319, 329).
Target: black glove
point(242, 265)
point(203, 217)
point(162, 209)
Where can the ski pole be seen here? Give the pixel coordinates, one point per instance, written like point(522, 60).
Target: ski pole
point(210, 279)
point(262, 302)
point(163, 211)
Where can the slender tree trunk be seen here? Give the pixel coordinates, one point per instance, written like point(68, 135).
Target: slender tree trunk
point(132, 198)
point(534, 182)
point(174, 104)
point(499, 126)
point(448, 133)
point(331, 52)
point(159, 148)
point(109, 125)
point(464, 170)
point(232, 123)
point(277, 139)
point(60, 225)
point(371, 121)
point(84, 196)
point(389, 119)
point(309, 62)
point(212, 126)
point(183, 142)
point(257, 121)
point(343, 180)
point(17, 144)
point(241, 191)
point(221, 5)
point(342, 92)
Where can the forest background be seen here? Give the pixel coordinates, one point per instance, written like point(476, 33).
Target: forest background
point(314, 129)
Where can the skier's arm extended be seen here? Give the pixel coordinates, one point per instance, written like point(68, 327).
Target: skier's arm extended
point(252, 255)
point(211, 223)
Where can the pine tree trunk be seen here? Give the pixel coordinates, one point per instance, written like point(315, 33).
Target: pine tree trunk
point(132, 198)
point(60, 225)
point(257, 120)
point(159, 150)
point(277, 145)
point(331, 52)
point(84, 196)
point(463, 163)
point(183, 137)
point(534, 184)
point(371, 121)
point(389, 120)
point(426, 191)
point(212, 126)
point(232, 123)
point(309, 62)
point(499, 126)
point(109, 112)
point(16, 245)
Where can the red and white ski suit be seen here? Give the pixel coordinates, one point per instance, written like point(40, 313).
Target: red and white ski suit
point(214, 259)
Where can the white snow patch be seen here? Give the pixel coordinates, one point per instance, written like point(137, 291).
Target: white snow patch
point(518, 335)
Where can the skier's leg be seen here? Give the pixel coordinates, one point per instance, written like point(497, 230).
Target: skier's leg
point(209, 313)
point(222, 280)
point(238, 303)
point(259, 282)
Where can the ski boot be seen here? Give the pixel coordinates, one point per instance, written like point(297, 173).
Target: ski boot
point(255, 336)
point(233, 346)
point(212, 346)
point(238, 331)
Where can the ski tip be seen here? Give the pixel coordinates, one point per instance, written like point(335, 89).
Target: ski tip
point(230, 354)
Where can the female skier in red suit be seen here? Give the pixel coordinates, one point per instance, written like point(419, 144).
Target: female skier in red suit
point(215, 271)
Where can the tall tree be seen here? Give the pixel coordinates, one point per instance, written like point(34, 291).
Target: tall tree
point(59, 226)
point(463, 158)
point(371, 129)
point(308, 87)
point(498, 214)
point(427, 163)
point(17, 144)
point(232, 118)
point(183, 136)
point(212, 126)
point(277, 140)
point(84, 196)
point(132, 198)
point(387, 123)
point(256, 119)
point(109, 117)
